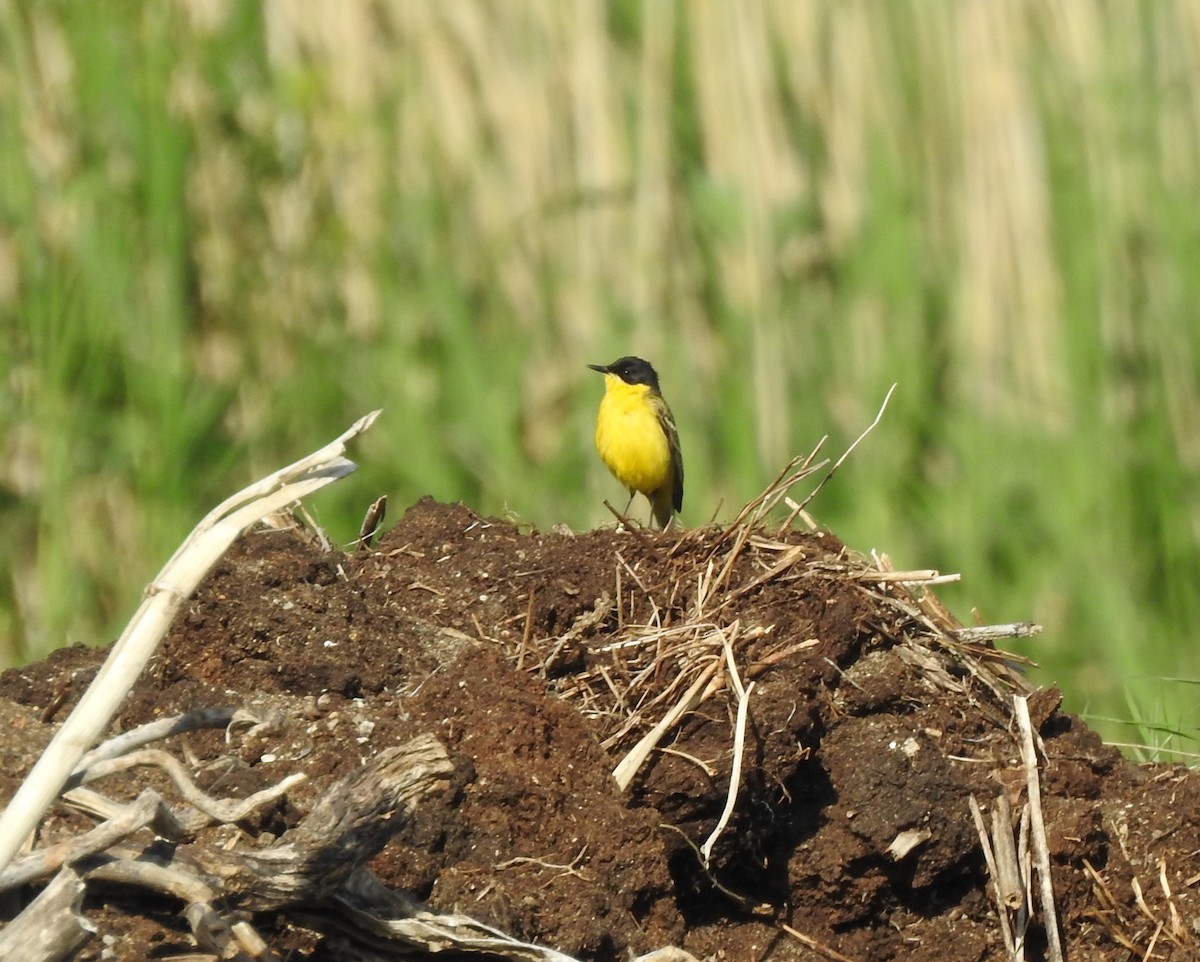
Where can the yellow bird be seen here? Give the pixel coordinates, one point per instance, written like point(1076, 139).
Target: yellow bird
point(636, 436)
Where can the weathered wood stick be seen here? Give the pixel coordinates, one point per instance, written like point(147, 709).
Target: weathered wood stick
point(349, 825)
point(147, 809)
point(51, 927)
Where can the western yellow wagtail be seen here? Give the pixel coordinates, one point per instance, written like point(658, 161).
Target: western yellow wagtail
point(636, 436)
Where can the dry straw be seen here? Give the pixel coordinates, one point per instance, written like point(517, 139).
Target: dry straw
point(648, 677)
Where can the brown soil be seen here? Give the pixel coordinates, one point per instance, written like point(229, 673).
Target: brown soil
point(864, 722)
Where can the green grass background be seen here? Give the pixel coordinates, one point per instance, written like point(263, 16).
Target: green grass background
point(227, 229)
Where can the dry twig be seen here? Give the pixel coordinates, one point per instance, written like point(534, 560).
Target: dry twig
point(219, 810)
point(147, 810)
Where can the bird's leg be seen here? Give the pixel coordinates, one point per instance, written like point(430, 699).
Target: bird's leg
point(629, 503)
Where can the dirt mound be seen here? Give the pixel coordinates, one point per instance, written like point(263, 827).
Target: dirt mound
point(545, 661)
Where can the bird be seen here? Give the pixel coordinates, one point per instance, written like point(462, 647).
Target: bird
point(636, 436)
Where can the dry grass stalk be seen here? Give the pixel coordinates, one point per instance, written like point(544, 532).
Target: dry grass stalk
point(845, 454)
point(1014, 890)
point(1019, 629)
point(658, 671)
point(739, 746)
point(1171, 929)
point(1009, 868)
point(819, 947)
point(629, 765)
point(1041, 847)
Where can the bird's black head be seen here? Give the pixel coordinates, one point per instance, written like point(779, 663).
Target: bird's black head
point(631, 370)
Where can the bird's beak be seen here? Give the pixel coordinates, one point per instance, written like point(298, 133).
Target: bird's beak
point(602, 368)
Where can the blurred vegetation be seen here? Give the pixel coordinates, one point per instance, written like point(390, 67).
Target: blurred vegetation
point(230, 228)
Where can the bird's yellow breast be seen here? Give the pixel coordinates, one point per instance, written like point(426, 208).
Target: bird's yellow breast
point(630, 438)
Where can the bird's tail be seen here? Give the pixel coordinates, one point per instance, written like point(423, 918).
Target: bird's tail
point(662, 506)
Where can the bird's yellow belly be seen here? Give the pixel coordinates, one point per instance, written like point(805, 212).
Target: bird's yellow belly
point(631, 442)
